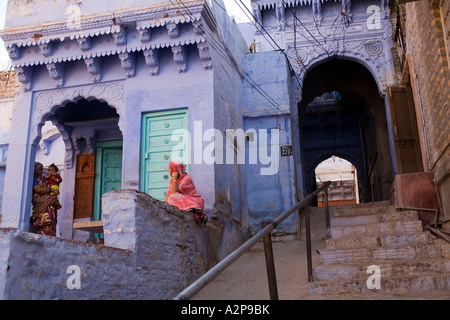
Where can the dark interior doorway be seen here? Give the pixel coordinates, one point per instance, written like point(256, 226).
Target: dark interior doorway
point(343, 114)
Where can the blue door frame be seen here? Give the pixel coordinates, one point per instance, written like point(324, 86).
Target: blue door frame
point(159, 144)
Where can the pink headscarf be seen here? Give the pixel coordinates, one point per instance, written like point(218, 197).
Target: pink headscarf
point(188, 197)
point(179, 167)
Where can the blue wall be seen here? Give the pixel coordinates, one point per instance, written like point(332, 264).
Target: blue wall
point(269, 195)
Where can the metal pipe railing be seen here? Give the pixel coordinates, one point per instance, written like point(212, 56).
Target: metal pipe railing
point(201, 282)
point(270, 264)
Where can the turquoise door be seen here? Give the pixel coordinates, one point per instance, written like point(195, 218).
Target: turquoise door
point(159, 145)
point(108, 172)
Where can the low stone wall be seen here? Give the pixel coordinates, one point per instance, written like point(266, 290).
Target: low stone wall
point(152, 251)
point(35, 267)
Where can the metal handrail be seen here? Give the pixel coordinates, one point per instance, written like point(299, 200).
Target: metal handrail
point(201, 282)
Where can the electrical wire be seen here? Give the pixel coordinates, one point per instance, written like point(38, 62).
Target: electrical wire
point(301, 23)
point(216, 45)
point(279, 48)
point(345, 22)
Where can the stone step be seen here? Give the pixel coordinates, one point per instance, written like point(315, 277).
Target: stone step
point(419, 283)
point(408, 257)
point(399, 215)
point(405, 239)
point(354, 220)
point(396, 268)
point(374, 242)
point(381, 254)
point(366, 205)
point(353, 243)
point(372, 295)
point(338, 212)
point(377, 229)
point(373, 218)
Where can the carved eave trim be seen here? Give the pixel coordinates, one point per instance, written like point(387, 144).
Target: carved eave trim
point(36, 37)
point(94, 67)
point(205, 56)
point(119, 35)
point(179, 56)
point(24, 76)
point(107, 52)
point(173, 30)
point(128, 62)
point(14, 52)
point(150, 24)
point(53, 43)
point(46, 49)
point(95, 25)
point(272, 4)
point(56, 72)
point(84, 43)
point(152, 61)
point(145, 34)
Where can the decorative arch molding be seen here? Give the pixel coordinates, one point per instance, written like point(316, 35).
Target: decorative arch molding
point(46, 103)
point(323, 155)
point(369, 53)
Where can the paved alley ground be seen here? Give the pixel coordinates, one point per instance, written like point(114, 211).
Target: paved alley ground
point(246, 279)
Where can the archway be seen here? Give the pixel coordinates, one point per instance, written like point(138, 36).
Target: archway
point(344, 181)
point(89, 129)
point(342, 113)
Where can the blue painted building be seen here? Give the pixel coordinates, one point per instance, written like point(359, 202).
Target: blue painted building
point(131, 85)
point(251, 110)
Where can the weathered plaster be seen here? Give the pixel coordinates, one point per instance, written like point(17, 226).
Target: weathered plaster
point(356, 41)
point(62, 67)
point(138, 260)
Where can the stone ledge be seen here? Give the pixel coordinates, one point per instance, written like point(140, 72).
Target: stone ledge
point(90, 226)
point(152, 251)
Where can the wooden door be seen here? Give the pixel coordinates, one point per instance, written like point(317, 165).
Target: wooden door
point(159, 144)
point(405, 132)
point(84, 186)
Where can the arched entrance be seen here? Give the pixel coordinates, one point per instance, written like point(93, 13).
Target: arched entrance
point(344, 181)
point(93, 152)
point(342, 113)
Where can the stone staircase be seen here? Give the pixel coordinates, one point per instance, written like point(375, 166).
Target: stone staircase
point(410, 259)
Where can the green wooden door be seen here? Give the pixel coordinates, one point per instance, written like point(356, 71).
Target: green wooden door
point(159, 145)
point(108, 172)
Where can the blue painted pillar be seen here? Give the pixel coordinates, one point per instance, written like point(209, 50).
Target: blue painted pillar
point(130, 125)
point(16, 207)
point(390, 133)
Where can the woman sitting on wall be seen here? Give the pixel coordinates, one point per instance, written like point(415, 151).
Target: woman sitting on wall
point(182, 192)
point(45, 204)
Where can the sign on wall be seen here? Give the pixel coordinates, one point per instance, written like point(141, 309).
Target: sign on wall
point(287, 150)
